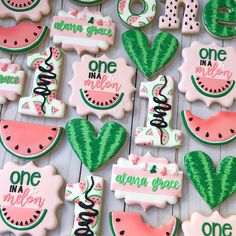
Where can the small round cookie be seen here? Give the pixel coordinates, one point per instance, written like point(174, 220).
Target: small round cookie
point(89, 2)
point(129, 224)
point(22, 37)
point(137, 20)
point(219, 18)
point(24, 9)
point(171, 19)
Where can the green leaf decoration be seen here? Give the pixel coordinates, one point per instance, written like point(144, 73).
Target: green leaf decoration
point(214, 186)
point(93, 149)
point(150, 59)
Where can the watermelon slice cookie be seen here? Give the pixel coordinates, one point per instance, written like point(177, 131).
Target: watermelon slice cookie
point(22, 38)
point(28, 141)
point(129, 224)
point(19, 218)
point(216, 130)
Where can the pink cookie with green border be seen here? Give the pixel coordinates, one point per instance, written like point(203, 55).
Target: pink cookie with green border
point(129, 224)
point(22, 38)
point(29, 199)
point(24, 9)
point(27, 140)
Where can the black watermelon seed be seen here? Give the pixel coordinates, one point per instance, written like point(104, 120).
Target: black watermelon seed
point(40, 146)
point(197, 129)
point(21, 223)
point(122, 232)
point(8, 218)
point(35, 217)
point(29, 150)
point(39, 27)
point(207, 135)
point(12, 221)
point(190, 119)
point(50, 138)
point(35, 34)
point(16, 147)
point(3, 209)
point(167, 233)
point(4, 41)
point(54, 129)
point(26, 40)
point(220, 135)
point(38, 212)
point(26, 223)
point(5, 126)
point(8, 138)
point(15, 43)
point(17, 222)
point(232, 131)
point(31, 221)
point(5, 214)
point(117, 219)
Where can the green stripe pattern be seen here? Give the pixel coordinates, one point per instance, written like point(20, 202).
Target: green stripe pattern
point(93, 149)
point(213, 186)
point(150, 59)
point(219, 17)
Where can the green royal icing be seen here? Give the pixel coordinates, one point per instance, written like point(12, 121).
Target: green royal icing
point(213, 186)
point(93, 149)
point(219, 17)
point(150, 59)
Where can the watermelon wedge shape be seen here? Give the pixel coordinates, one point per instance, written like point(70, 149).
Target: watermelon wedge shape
point(27, 140)
point(20, 218)
point(131, 224)
point(22, 38)
point(216, 130)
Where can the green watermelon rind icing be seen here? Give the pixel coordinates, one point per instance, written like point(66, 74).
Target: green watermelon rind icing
point(23, 9)
point(99, 107)
point(185, 123)
point(43, 153)
point(24, 228)
point(95, 2)
point(173, 233)
point(212, 95)
point(30, 47)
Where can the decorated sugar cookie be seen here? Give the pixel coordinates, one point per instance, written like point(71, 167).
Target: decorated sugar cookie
point(24, 9)
point(214, 224)
point(29, 199)
point(208, 74)
point(22, 38)
point(89, 2)
point(149, 59)
point(214, 186)
point(171, 18)
point(87, 197)
point(216, 130)
point(219, 18)
point(102, 86)
point(27, 140)
point(83, 31)
point(137, 20)
point(147, 181)
point(129, 224)
point(12, 79)
point(93, 149)
point(43, 101)
point(158, 131)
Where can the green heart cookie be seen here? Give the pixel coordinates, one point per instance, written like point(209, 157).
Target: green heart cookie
point(214, 186)
point(150, 60)
point(93, 149)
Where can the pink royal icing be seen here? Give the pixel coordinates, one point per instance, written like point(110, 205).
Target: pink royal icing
point(149, 182)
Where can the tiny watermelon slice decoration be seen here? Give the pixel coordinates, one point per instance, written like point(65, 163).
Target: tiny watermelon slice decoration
point(130, 224)
point(216, 130)
point(20, 218)
point(27, 140)
point(22, 38)
point(20, 5)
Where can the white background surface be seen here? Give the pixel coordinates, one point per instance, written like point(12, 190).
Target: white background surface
point(68, 164)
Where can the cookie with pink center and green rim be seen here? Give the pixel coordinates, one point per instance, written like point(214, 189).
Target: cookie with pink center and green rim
point(128, 224)
point(88, 209)
point(158, 131)
point(29, 199)
point(24, 9)
point(146, 181)
point(203, 76)
point(102, 86)
point(29, 141)
point(22, 38)
point(137, 20)
point(43, 100)
point(216, 130)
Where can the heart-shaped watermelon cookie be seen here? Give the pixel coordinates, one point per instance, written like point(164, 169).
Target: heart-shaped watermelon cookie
point(214, 186)
point(150, 59)
point(93, 149)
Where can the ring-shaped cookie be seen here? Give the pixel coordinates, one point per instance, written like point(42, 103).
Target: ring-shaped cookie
point(137, 20)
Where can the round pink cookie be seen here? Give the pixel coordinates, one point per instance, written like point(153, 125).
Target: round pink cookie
point(24, 9)
point(29, 199)
point(102, 86)
point(129, 224)
point(171, 18)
